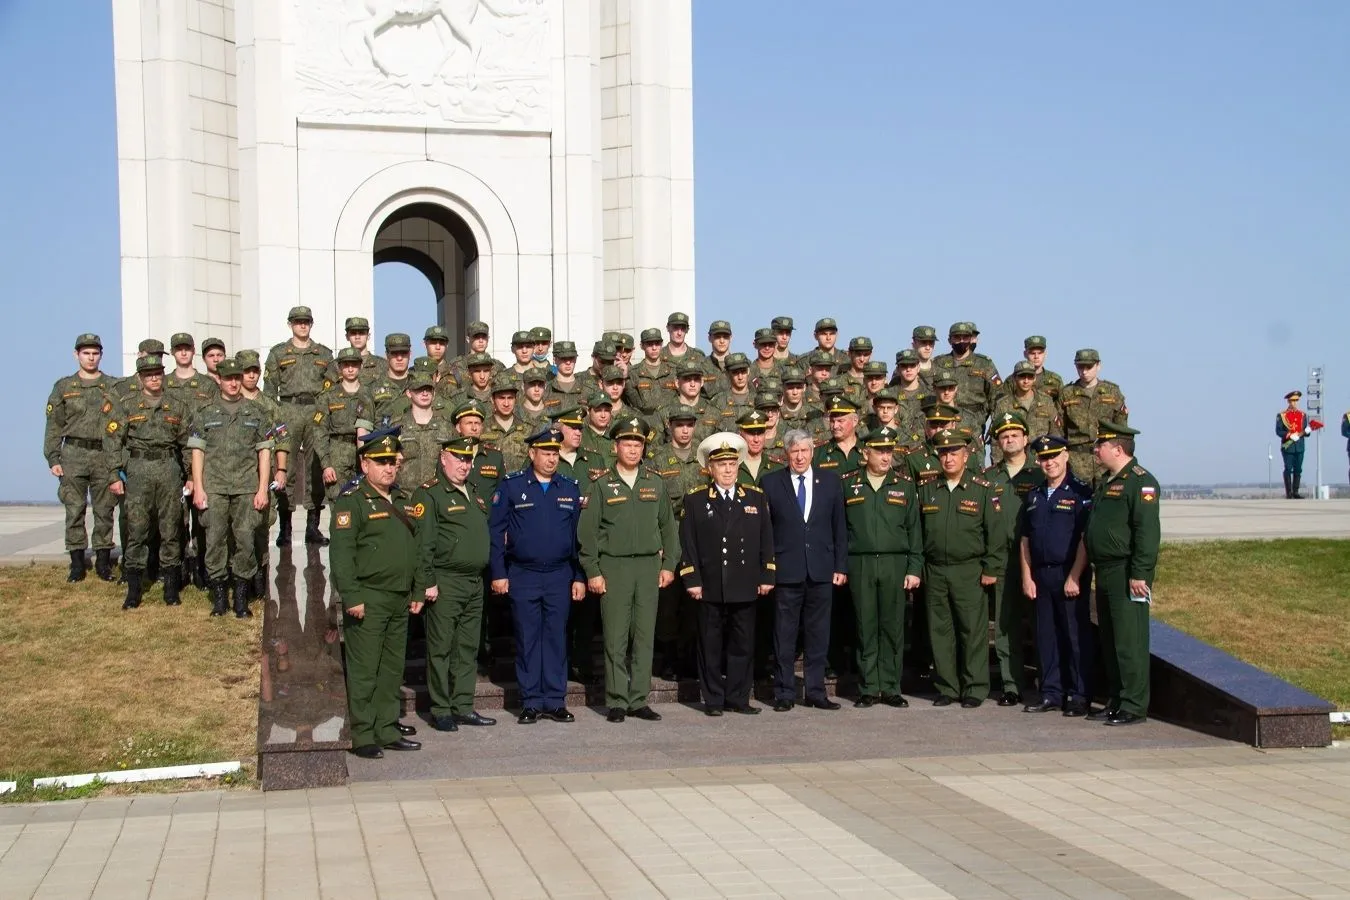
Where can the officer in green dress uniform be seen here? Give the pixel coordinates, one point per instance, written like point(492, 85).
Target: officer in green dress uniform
point(1122, 537)
point(374, 555)
point(885, 559)
point(965, 551)
point(629, 548)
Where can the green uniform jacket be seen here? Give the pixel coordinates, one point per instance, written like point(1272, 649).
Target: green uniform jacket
point(452, 531)
point(77, 408)
point(510, 441)
point(290, 370)
point(649, 388)
point(372, 370)
point(831, 458)
point(923, 464)
point(1049, 382)
point(766, 465)
point(390, 399)
point(230, 435)
point(704, 425)
point(1039, 410)
point(191, 392)
point(884, 520)
point(617, 520)
point(585, 468)
point(964, 525)
point(1124, 522)
point(374, 543)
point(1081, 408)
point(488, 469)
point(598, 444)
point(1013, 493)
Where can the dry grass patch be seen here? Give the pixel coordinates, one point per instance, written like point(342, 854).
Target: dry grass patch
point(88, 687)
point(1283, 606)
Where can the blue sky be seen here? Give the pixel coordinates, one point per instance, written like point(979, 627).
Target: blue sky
point(1164, 182)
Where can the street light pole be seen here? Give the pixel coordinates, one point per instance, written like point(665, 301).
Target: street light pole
point(1315, 389)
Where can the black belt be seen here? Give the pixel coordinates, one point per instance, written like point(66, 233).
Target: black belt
point(83, 444)
point(151, 454)
point(298, 398)
point(351, 435)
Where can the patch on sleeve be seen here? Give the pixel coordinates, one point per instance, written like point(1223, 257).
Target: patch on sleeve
point(342, 520)
point(318, 418)
point(50, 408)
point(997, 500)
point(112, 428)
point(107, 406)
point(496, 498)
point(417, 510)
point(1148, 494)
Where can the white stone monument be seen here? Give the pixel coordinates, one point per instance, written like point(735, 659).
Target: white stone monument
point(534, 158)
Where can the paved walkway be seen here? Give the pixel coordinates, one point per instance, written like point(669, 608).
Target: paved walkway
point(1207, 823)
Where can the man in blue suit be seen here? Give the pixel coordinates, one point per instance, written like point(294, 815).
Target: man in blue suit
point(810, 539)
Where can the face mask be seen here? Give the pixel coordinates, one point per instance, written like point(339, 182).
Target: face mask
point(960, 347)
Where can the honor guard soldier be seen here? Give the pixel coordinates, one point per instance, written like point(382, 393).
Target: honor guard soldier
point(533, 558)
point(629, 548)
point(885, 560)
point(374, 555)
point(965, 551)
point(453, 545)
point(1053, 564)
point(78, 411)
point(1291, 427)
point(727, 540)
point(1122, 536)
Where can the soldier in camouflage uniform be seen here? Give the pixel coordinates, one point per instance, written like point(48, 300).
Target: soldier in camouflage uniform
point(820, 368)
point(125, 390)
point(145, 440)
point(595, 434)
point(1082, 405)
point(603, 354)
point(946, 387)
point(373, 367)
point(977, 379)
point(477, 384)
point(782, 333)
point(535, 407)
point(794, 411)
point(295, 373)
point(503, 429)
point(344, 412)
point(390, 393)
point(1033, 350)
point(77, 413)
point(855, 375)
point(676, 349)
point(436, 340)
point(689, 382)
point(250, 363)
point(128, 386)
point(874, 381)
point(827, 335)
point(231, 467)
point(613, 382)
point(885, 410)
point(522, 348)
point(923, 341)
point(422, 430)
point(564, 382)
point(476, 338)
point(651, 383)
point(714, 364)
point(1037, 408)
point(738, 397)
point(213, 352)
point(766, 365)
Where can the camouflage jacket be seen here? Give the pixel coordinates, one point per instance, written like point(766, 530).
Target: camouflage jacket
point(648, 389)
point(148, 427)
point(422, 444)
point(1081, 408)
point(230, 436)
point(77, 408)
point(977, 384)
point(510, 440)
point(679, 474)
point(292, 371)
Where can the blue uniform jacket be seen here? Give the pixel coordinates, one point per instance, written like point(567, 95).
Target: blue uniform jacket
point(534, 529)
point(1053, 524)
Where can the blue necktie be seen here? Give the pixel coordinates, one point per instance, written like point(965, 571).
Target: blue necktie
point(801, 494)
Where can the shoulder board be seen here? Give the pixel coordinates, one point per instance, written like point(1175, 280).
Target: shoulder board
point(697, 489)
point(1140, 470)
point(489, 447)
point(1110, 385)
point(516, 474)
point(432, 483)
point(566, 478)
point(753, 487)
point(350, 487)
point(988, 469)
point(975, 479)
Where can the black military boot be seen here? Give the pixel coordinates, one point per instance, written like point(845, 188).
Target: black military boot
point(260, 584)
point(1288, 487)
point(220, 601)
point(284, 520)
point(171, 583)
point(1296, 478)
point(134, 588)
point(199, 580)
point(312, 533)
point(77, 569)
point(241, 589)
point(103, 565)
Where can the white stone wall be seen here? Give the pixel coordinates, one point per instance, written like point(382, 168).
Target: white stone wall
point(616, 149)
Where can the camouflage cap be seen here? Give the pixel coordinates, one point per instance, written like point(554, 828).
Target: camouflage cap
point(682, 413)
point(875, 368)
point(924, 333)
point(505, 382)
point(754, 422)
point(610, 374)
point(886, 395)
point(1035, 342)
point(249, 359)
point(781, 323)
point(534, 375)
point(677, 318)
point(604, 351)
point(397, 342)
point(477, 329)
point(826, 324)
point(623, 341)
point(831, 386)
point(860, 345)
point(564, 350)
point(719, 326)
point(688, 369)
point(841, 406)
point(468, 408)
point(631, 427)
point(651, 336)
point(764, 336)
point(460, 446)
point(520, 338)
point(907, 357)
point(181, 339)
point(735, 362)
point(300, 314)
point(150, 364)
point(424, 362)
point(478, 360)
point(356, 323)
point(382, 444)
point(1022, 367)
point(345, 355)
point(1107, 430)
point(229, 368)
point(944, 378)
point(959, 328)
point(541, 334)
point(569, 413)
point(1010, 419)
point(883, 438)
point(437, 333)
point(151, 345)
point(421, 375)
point(213, 342)
point(771, 385)
point(949, 439)
point(598, 398)
point(820, 358)
point(768, 400)
point(1086, 357)
point(1048, 445)
point(793, 375)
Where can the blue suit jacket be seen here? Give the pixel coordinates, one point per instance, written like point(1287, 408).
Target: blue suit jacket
point(817, 548)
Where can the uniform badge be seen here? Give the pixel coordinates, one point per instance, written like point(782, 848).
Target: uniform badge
point(107, 406)
point(112, 427)
point(1148, 494)
point(342, 520)
point(417, 510)
point(49, 409)
point(318, 418)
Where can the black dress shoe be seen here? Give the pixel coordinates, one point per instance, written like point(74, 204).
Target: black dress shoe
point(1042, 707)
point(615, 715)
point(1010, 698)
point(820, 704)
point(561, 714)
point(405, 730)
point(1075, 710)
point(712, 710)
point(782, 705)
point(473, 718)
point(944, 700)
point(403, 744)
point(1124, 718)
point(528, 716)
point(895, 700)
point(368, 751)
point(746, 710)
point(970, 702)
point(646, 713)
point(1100, 715)
point(865, 701)
point(444, 723)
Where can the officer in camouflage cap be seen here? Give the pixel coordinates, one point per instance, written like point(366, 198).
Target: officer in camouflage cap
point(504, 429)
point(345, 411)
point(250, 363)
point(423, 428)
point(534, 407)
point(766, 364)
point(719, 339)
point(390, 393)
point(522, 348)
point(689, 382)
point(923, 341)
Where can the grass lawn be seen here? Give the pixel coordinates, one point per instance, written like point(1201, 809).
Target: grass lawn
point(88, 687)
point(1283, 606)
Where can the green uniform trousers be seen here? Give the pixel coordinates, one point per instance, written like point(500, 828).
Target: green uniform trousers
point(958, 630)
point(1011, 614)
point(376, 647)
point(452, 625)
point(878, 580)
point(153, 504)
point(230, 523)
point(302, 462)
point(1123, 624)
point(84, 482)
point(628, 618)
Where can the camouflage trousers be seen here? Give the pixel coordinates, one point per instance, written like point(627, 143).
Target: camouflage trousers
point(304, 479)
point(342, 457)
point(231, 521)
point(84, 482)
point(153, 504)
point(1085, 466)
